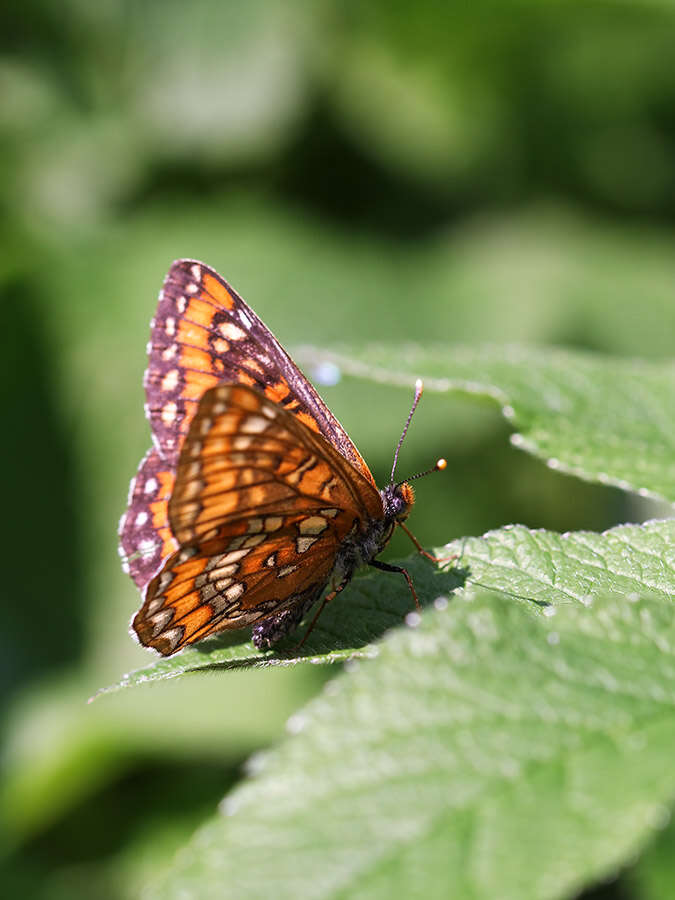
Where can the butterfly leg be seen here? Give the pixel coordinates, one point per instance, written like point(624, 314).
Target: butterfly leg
point(439, 560)
point(329, 596)
point(386, 567)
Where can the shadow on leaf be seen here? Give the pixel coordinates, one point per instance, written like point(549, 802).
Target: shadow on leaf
point(370, 605)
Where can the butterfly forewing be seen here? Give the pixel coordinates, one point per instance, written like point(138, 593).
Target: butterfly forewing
point(203, 334)
point(260, 507)
point(247, 456)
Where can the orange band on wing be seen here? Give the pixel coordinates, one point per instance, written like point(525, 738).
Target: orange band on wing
point(218, 291)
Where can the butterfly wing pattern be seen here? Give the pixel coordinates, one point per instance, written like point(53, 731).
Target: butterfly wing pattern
point(253, 498)
point(203, 334)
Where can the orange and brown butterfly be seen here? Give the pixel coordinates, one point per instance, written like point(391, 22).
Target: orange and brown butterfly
point(253, 500)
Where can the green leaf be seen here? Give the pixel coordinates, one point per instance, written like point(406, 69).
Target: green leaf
point(603, 419)
point(653, 877)
point(496, 750)
point(556, 569)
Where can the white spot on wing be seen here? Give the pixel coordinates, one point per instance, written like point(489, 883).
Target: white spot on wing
point(304, 543)
point(223, 583)
point(160, 619)
point(170, 380)
point(312, 525)
point(231, 331)
point(155, 604)
point(223, 571)
point(173, 636)
point(233, 556)
point(169, 412)
point(235, 591)
point(254, 425)
point(165, 580)
point(242, 442)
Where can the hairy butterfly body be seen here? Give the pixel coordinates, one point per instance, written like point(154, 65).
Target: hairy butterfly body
point(253, 499)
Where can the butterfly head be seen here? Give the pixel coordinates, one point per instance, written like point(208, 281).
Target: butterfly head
point(397, 500)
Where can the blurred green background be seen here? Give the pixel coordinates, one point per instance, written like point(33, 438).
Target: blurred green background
point(392, 171)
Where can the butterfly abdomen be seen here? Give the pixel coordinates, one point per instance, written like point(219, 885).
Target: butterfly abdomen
point(272, 629)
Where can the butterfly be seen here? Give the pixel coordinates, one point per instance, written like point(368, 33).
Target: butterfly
point(253, 500)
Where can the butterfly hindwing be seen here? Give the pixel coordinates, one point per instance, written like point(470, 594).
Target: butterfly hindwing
point(145, 537)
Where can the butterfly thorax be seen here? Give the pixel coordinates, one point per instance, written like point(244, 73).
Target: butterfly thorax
point(367, 539)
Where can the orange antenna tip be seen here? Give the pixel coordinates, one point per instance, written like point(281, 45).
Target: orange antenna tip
point(440, 465)
point(419, 386)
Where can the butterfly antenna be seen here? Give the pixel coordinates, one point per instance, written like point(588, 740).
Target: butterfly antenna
point(440, 465)
point(419, 387)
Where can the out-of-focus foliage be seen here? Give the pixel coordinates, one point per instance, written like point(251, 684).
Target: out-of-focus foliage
point(391, 171)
